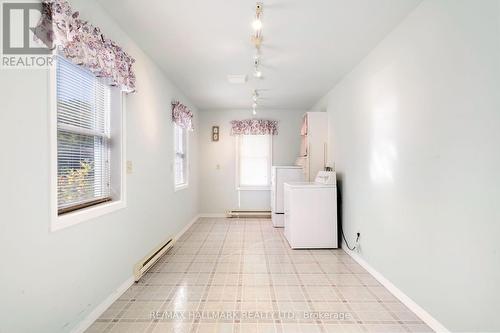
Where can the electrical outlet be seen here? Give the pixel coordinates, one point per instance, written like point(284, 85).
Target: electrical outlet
point(130, 167)
point(357, 244)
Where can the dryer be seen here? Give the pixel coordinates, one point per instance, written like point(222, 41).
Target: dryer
point(280, 175)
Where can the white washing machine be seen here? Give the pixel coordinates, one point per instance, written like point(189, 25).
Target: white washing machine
point(311, 213)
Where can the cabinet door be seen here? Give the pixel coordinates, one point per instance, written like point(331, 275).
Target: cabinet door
point(317, 137)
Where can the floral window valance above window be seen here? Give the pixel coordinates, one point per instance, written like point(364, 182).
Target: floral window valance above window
point(254, 127)
point(82, 43)
point(182, 116)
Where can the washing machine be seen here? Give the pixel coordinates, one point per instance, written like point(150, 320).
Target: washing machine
point(311, 213)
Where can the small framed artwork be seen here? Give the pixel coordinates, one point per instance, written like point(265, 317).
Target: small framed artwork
point(215, 133)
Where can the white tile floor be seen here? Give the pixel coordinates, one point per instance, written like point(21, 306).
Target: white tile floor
point(240, 275)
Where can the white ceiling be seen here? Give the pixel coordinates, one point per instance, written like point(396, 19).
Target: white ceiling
point(308, 45)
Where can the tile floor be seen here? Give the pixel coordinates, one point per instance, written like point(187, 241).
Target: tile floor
point(239, 275)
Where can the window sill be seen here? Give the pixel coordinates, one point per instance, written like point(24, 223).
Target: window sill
point(85, 214)
point(253, 188)
point(180, 187)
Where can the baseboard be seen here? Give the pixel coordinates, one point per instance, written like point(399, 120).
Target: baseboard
point(186, 227)
point(99, 310)
point(212, 215)
point(104, 305)
point(405, 299)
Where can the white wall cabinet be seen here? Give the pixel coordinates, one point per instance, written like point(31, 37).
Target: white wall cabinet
point(314, 140)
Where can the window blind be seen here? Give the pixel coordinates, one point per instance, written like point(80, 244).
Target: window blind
point(83, 137)
point(180, 155)
point(254, 160)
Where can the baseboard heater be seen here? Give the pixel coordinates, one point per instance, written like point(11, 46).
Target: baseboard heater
point(248, 213)
point(148, 261)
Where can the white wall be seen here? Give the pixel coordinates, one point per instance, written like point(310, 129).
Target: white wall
point(415, 136)
point(218, 186)
point(51, 281)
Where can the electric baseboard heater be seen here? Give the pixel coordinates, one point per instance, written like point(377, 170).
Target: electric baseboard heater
point(240, 213)
point(151, 258)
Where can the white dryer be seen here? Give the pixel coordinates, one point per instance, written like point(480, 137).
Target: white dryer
point(279, 176)
point(311, 212)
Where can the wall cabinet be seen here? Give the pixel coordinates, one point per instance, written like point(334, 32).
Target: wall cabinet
point(314, 140)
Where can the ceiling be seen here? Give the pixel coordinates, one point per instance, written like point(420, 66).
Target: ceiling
point(308, 46)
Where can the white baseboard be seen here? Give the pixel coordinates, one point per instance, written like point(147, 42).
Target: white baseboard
point(104, 305)
point(212, 215)
point(99, 310)
point(417, 309)
point(183, 231)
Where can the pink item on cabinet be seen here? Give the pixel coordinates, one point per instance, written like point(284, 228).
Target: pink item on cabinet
point(303, 129)
point(303, 145)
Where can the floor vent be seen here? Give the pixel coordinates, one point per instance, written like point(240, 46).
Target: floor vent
point(249, 213)
point(142, 266)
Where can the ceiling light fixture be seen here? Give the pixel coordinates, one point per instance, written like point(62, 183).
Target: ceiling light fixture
point(237, 78)
point(255, 97)
point(257, 72)
point(256, 56)
point(257, 24)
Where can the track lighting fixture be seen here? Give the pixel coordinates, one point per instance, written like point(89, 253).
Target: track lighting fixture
point(257, 24)
point(257, 42)
point(256, 56)
point(255, 97)
point(257, 73)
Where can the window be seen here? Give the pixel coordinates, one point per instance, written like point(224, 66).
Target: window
point(254, 161)
point(181, 157)
point(88, 140)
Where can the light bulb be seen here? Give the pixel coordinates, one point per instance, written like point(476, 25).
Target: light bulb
point(254, 105)
point(257, 24)
point(257, 73)
point(254, 112)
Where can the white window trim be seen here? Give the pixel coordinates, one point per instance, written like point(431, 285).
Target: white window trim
point(252, 188)
point(59, 222)
point(186, 184)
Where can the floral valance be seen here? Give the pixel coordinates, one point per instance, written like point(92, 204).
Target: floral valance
point(182, 116)
point(254, 127)
point(84, 44)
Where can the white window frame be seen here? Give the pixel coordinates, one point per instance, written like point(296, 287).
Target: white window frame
point(178, 187)
point(59, 222)
point(240, 187)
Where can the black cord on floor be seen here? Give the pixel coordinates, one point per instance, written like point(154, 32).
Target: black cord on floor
point(345, 240)
point(339, 194)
